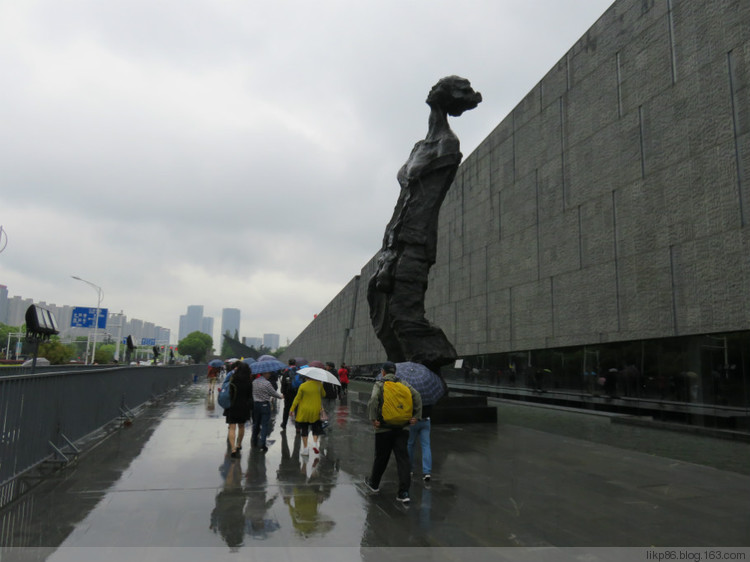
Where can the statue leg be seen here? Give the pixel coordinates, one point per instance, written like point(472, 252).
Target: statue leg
point(381, 321)
point(420, 341)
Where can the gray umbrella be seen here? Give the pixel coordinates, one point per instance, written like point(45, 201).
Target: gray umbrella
point(429, 384)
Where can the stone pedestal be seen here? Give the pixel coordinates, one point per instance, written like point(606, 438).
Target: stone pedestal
point(450, 410)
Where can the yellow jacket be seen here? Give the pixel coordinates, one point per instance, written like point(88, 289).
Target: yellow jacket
point(308, 401)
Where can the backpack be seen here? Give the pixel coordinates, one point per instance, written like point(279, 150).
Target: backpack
point(395, 406)
point(298, 380)
point(225, 397)
point(287, 378)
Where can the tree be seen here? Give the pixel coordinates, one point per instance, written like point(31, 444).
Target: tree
point(197, 345)
point(105, 354)
point(56, 352)
point(6, 330)
point(262, 350)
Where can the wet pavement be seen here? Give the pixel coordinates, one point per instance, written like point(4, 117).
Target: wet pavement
point(539, 478)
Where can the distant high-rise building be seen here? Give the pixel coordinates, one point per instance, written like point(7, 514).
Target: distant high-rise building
point(163, 335)
point(192, 321)
point(3, 304)
point(253, 342)
point(207, 326)
point(271, 341)
point(138, 329)
point(17, 310)
point(230, 322)
point(182, 329)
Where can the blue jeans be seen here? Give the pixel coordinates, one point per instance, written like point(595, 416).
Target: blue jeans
point(261, 421)
point(421, 430)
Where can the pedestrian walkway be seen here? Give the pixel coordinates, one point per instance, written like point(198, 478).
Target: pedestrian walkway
point(535, 479)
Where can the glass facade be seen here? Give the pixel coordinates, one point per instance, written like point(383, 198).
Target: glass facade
point(702, 379)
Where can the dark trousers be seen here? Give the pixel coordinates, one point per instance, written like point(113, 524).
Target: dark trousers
point(285, 411)
point(395, 440)
point(261, 421)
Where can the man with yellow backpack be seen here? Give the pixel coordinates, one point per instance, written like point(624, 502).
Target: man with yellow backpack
point(393, 406)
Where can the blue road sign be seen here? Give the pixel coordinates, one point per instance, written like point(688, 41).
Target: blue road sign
point(83, 317)
point(148, 341)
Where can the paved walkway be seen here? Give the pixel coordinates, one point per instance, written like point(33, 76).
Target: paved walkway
point(539, 478)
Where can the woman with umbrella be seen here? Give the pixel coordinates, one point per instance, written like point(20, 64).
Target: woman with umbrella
point(241, 393)
point(306, 409)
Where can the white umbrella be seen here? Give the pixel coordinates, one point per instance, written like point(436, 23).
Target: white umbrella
point(318, 374)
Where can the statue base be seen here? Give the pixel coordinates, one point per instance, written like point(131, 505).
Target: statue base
point(450, 410)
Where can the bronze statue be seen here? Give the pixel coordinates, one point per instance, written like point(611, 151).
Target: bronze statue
point(396, 291)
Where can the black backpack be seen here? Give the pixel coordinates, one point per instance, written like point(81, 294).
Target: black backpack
point(287, 380)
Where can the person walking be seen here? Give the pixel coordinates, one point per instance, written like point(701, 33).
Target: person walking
point(263, 391)
point(420, 431)
point(343, 379)
point(332, 390)
point(306, 409)
point(213, 376)
point(241, 394)
point(288, 390)
point(391, 439)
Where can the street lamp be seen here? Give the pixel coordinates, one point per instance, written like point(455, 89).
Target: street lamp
point(99, 292)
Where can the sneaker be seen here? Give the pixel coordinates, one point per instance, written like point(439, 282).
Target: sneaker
point(235, 454)
point(316, 450)
point(370, 486)
point(426, 477)
point(264, 449)
point(403, 497)
point(305, 451)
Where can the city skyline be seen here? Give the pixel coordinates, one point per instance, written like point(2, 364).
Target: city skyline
point(13, 309)
point(117, 325)
point(194, 320)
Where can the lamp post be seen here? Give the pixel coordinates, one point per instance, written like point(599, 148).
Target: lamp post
point(99, 291)
point(119, 339)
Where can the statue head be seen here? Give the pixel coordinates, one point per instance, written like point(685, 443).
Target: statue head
point(454, 95)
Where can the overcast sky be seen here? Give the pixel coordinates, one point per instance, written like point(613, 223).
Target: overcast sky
point(235, 154)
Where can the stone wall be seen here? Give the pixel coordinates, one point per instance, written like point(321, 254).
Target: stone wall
point(611, 204)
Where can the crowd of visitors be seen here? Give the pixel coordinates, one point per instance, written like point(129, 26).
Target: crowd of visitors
point(254, 388)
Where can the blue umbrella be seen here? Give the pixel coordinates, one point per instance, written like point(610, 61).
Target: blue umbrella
point(267, 358)
point(215, 363)
point(249, 360)
point(429, 385)
point(266, 366)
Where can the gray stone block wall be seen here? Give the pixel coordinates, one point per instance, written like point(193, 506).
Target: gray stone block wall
point(611, 204)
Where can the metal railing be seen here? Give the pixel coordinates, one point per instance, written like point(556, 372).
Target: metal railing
point(42, 416)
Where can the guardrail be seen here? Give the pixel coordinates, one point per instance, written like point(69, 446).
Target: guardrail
point(43, 416)
point(10, 370)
